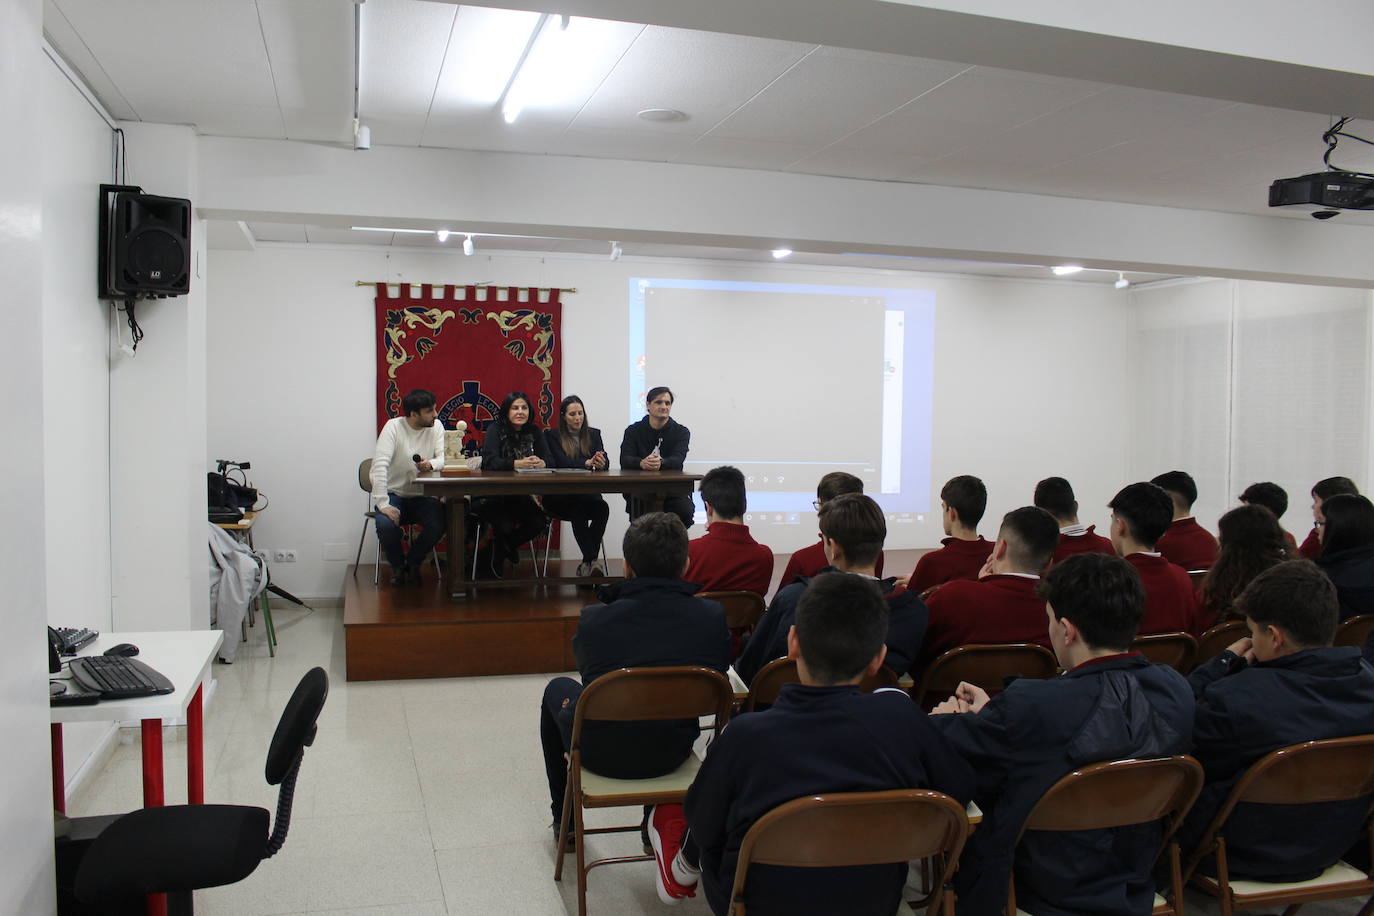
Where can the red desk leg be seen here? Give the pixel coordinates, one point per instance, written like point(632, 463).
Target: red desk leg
point(195, 751)
point(59, 777)
point(153, 792)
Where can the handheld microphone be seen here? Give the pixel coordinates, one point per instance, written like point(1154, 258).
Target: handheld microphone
point(416, 458)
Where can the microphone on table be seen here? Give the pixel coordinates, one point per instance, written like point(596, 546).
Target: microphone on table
point(416, 458)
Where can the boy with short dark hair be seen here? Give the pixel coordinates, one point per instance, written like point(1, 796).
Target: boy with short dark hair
point(1185, 542)
point(1140, 516)
point(1055, 496)
point(963, 500)
point(727, 558)
point(809, 561)
point(1274, 498)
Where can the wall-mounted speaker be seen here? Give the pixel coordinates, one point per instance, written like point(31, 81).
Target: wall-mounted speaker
point(145, 244)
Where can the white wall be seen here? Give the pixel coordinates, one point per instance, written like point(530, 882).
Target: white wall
point(26, 880)
point(1024, 383)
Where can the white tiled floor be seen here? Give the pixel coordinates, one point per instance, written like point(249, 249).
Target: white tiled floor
point(419, 798)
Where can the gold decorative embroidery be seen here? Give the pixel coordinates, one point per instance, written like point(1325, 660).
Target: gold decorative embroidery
point(541, 327)
point(396, 355)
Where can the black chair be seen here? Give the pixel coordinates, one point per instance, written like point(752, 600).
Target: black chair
point(117, 861)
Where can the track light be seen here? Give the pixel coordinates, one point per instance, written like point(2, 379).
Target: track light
point(467, 244)
point(1064, 270)
point(616, 251)
point(780, 253)
point(442, 235)
point(1121, 281)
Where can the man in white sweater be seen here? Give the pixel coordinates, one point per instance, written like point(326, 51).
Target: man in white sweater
point(407, 446)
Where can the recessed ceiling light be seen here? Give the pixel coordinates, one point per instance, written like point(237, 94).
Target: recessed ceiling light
point(780, 253)
point(1063, 270)
point(663, 114)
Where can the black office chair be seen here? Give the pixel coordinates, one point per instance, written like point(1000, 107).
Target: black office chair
point(177, 849)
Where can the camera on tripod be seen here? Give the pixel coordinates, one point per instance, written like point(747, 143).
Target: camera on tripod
point(223, 464)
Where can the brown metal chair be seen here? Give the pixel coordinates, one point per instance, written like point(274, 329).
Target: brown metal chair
point(986, 666)
point(768, 683)
point(1213, 642)
point(1177, 650)
point(633, 695)
point(742, 613)
point(1332, 770)
point(1353, 631)
point(1122, 793)
point(858, 828)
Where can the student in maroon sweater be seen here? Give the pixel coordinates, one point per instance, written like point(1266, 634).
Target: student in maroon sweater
point(809, 561)
point(1322, 491)
point(1140, 516)
point(962, 554)
point(1001, 604)
point(1274, 498)
point(1055, 496)
point(726, 558)
point(1186, 542)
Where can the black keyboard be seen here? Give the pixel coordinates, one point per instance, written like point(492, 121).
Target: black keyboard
point(117, 677)
point(74, 640)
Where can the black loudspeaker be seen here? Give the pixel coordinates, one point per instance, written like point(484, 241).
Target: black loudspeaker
point(145, 244)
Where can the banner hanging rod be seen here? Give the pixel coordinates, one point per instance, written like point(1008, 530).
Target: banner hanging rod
point(542, 289)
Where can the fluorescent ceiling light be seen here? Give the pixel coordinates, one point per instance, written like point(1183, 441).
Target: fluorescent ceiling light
point(781, 253)
point(442, 236)
point(485, 46)
point(540, 73)
point(387, 229)
point(1064, 270)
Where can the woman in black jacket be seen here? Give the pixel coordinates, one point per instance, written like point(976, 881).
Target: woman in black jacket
point(1347, 556)
point(513, 442)
point(575, 444)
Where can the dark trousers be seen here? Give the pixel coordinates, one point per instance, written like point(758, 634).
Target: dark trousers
point(425, 511)
point(514, 519)
point(678, 504)
point(587, 515)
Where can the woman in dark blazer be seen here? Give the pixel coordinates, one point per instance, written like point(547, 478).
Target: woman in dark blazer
point(1347, 538)
point(513, 442)
point(574, 444)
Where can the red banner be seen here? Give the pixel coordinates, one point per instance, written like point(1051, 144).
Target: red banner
point(471, 346)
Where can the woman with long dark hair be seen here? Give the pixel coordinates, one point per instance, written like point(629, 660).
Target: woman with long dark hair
point(575, 443)
point(1347, 556)
point(513, 442)
point(1251, 542)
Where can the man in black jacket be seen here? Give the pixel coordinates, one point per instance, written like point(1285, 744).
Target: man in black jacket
point(852, 531)
point(1282, 685)
point(1110, 703)
point(822, 735)
point(657, 443)
point(649, 620)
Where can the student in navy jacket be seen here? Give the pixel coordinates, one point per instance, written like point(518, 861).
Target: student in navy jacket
point(652, 619)
point(657, 443)
point(810, 560)
point(852, 530)
point(1347, 551)
point(512, 442)
point(1111, 703)
point(822, 735)
point(1282, 685)
point(575, 444)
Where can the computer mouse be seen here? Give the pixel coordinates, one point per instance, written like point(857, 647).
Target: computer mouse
point(125, 649)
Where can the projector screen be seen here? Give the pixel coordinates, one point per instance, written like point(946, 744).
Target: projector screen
point(788, 382)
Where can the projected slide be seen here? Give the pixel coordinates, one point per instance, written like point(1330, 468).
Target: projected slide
point(790, 381)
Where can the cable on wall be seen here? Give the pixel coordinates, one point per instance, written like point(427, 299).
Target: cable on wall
point(1332, 136)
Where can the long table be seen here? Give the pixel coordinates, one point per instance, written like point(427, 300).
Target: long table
point(653, 486)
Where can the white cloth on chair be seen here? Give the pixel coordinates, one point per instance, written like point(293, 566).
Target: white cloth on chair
point(237, 577)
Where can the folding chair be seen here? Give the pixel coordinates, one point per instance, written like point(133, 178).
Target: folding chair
point(633, 695)
point(1122, 793)
point(1177, 650)
point(1213, 642)
point(768, 683)
point(1353, 631)
point(858, 828)
point(1335, 769)
point(742, 613)
point(986, 666)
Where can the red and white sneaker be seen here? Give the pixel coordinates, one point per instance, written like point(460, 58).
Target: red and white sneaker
point(666, 827)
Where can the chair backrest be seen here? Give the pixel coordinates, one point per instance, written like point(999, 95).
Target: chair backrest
point(365, 474)
point(986, 666)
point(1119, 793)
point(1353, 631)
point(742, 609)
point(854, 828)
point(1177, 650)
point(295, 732)
point(646, 694)
point(1211, 643)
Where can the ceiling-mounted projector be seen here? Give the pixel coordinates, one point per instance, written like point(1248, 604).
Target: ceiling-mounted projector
point(1325, 193)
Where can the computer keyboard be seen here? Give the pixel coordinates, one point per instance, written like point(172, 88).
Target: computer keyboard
point(117, 677)
point(73, 640)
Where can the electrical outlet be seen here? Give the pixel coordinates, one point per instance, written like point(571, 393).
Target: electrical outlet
point(290, 556)
point(284, 556)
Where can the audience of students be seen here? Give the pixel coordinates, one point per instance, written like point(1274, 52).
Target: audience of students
point(1110, 703)
point(1251, 542)
point(822, 735)
point(574, 443)
point(1055, 496)
point(657, 443)
point(1274, 498)
point(396, 496)
point(1001, 605)
point(1347, 557)
point(1140, 515)
point(808, 561)
point(1282, 685)
point(852, 531)
point(651, 619)
point(962, 553)
point(1186, 542)
point(1323, 490)
point(726, 558)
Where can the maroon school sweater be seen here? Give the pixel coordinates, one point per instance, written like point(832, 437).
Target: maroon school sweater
point(1170, 602)
point(1312, 546)
point(1087, 542)
point(1188, 544)
point(726, 559)
point(810, 560)
point(957, 559)
point(995, 609)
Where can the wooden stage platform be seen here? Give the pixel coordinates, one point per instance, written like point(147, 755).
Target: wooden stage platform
point(417, 631)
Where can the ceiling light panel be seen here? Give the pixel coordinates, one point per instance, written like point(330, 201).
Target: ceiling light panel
point(402, 56)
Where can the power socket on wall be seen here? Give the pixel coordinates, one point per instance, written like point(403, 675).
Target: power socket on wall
point(284, 556)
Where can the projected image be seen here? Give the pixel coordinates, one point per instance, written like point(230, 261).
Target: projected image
point(790, 381)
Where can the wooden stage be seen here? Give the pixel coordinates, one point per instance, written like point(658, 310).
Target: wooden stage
point(418, 631)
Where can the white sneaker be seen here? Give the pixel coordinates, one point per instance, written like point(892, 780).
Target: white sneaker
point(582, 570)
point(683, 873)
